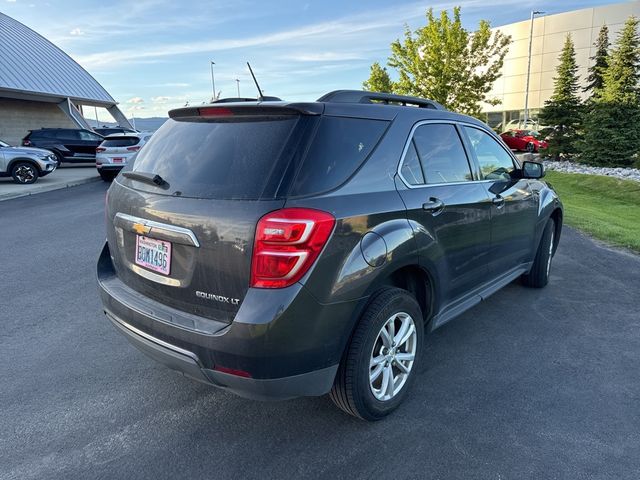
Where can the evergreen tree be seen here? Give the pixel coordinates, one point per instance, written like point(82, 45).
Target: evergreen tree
point(623, 74)
point(562, 110)
point(595, 80)
point(446, 63)
point(612, 125)
point(379, 80)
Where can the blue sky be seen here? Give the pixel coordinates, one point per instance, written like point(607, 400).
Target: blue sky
point(153, 55)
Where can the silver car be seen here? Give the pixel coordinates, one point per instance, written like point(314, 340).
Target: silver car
point(25, 164)
point(117, 150)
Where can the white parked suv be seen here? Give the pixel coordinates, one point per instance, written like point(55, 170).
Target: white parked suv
point(116, 150)
point(25, 164)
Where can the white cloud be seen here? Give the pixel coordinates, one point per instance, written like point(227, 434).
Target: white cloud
point(323, 56)
point(160, 99)
point(76, 31)
point(356, 31)
point(135, 100)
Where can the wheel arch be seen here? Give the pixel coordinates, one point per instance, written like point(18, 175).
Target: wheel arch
point(413, 278)
point(557, 216)
point(23, 159)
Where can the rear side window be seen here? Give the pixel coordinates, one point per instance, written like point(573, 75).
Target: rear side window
point(441, 153)
point(337, 150)
point(120, 141)
point(411, 169)
point(236, 159)
point(65, 134)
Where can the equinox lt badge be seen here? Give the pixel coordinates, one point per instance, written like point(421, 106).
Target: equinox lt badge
point(217, 298)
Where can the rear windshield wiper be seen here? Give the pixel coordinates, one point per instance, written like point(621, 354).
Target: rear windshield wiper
point(150, 178)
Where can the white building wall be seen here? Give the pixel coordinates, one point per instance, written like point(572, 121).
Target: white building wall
point(549, 32)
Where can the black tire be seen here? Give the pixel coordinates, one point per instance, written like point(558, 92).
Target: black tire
point(59, 158)
point(538, 276)
point(530, 148)
point(352, 390)
point(107, 176)
point(24, 173)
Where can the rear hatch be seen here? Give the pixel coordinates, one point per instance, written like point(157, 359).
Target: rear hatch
point(117, 149)
point(182, 218)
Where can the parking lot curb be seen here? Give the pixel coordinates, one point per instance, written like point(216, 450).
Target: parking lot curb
point(47, 188)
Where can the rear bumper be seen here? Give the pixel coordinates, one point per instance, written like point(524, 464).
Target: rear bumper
point(284, 343)
point(110, 166)
point(313, 383)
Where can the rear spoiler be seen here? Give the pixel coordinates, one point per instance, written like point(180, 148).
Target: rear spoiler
point(248, 110)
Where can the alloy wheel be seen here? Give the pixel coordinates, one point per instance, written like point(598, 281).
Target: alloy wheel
point(550, 253)
point(25, 173)
point(392, 356)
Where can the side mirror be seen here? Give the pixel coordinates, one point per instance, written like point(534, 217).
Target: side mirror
point(532, 170)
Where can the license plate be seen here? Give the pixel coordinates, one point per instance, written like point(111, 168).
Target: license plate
point(153, 254)
point(117, 160)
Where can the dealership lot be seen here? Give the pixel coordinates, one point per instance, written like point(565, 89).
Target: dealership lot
point(530, 384)
point(64, 177)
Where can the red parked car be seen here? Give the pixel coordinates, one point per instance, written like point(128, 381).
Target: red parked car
point(523, 140)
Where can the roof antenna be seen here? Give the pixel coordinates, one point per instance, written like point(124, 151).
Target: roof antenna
point(260, 96)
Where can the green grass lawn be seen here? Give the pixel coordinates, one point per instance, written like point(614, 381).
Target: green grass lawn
point(604, 207)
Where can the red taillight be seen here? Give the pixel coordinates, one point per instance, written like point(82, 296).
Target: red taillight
point(287, 243)
point(100, 149)
point(26, 143)
point(133, 149)
point(215, 112)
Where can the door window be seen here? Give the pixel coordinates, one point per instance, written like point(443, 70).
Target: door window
point(495, 162)
point(441, 153)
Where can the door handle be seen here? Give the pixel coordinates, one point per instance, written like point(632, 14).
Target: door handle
point(433, 206)
point(498, 201)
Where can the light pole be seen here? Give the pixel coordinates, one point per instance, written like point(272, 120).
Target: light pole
point(526, 95)
point(213, 83)
point(238, 85)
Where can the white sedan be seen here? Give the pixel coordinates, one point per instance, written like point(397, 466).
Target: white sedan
point(116, 150)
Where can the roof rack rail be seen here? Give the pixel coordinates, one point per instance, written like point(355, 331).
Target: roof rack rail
point(361, 96)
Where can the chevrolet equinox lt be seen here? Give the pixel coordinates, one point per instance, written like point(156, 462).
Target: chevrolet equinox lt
point(278, 249)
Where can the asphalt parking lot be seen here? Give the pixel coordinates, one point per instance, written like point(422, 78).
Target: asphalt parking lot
point(539, 384)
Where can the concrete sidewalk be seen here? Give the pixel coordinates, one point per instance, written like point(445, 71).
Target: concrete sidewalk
point(63, 177)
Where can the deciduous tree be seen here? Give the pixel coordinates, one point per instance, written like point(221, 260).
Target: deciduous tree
point(444, 62)
point(379, 80)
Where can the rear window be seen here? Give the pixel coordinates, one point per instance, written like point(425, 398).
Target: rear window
point(38, 134)
point(120, 141)
point(339, 147)
point(236, 159)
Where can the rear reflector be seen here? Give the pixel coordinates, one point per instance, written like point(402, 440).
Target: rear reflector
point(215, 112)
point(287, 243)
point(232, 371)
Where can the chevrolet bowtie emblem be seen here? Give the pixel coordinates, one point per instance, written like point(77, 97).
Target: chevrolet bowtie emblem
point(141, 229)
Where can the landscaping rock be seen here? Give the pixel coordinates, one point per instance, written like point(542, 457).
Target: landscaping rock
point(571, 167)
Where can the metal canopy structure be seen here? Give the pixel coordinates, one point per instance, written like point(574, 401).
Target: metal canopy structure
point(33, 68)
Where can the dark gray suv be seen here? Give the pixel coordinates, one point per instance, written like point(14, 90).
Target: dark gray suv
point(280, 249)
